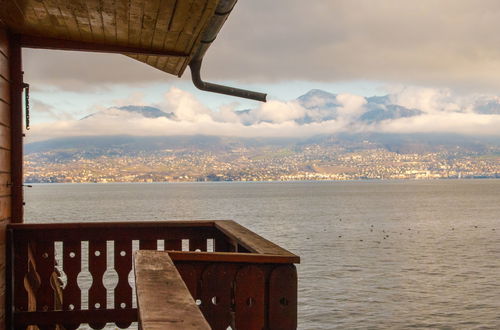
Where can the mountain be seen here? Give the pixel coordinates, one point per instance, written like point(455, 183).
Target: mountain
point(145, 111)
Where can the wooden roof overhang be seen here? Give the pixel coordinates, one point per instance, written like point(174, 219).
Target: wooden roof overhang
point(166, 34)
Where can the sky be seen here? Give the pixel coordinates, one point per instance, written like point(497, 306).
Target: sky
point(442, 57)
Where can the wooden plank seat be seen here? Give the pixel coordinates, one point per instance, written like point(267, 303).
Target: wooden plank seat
point(163, 299)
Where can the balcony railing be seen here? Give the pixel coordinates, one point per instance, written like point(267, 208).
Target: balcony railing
point(237, 278)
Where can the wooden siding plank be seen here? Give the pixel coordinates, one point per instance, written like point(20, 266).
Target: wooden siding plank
point(163, 299)
point(46, 21)
point(181, 15)
point(4, 90)
point(5, 137)
point(165, 13)
point(108, 14)
point(4, 114)
point(80, 12)
point(121, 17)
point(4, 67)
point(136, 12)
point(5, 207)
point(4, 160)
point(4, 186)
point(94, 15)
point(68, 18)
point(149, 19)
point(56, 17)
point(4, 43)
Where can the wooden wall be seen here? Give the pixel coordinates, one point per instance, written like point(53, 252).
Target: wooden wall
point(5, 159)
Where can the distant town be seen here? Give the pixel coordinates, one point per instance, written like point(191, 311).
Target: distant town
point(259, 163)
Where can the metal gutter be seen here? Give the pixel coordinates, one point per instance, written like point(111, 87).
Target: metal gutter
point(222, 11)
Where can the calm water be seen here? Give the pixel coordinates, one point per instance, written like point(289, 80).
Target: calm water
point(397, 254)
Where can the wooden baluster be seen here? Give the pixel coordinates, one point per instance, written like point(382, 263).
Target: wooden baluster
point(45, 263)
point(190, 276)
point(249, 296)
point(72, 265)
point(216, 295)
point(148, 244)
point(283, 298)
point(20, 270)
point(221, 245)
point(198, 244)
point(97, 267)
point(173, 244)
point(123, 266)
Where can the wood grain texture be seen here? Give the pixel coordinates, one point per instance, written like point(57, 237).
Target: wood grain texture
point(283, 298)
point(249, 298)
point(250, 240)
point(5, 161)
point(4, 42)
point(164, 301)
point(5, 137)
point(149, 24)
point(4, 67)
point(4, 114)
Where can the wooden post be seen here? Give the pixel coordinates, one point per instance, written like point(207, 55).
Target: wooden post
point(16, 96)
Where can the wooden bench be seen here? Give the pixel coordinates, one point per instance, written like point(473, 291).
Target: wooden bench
point(163, 300)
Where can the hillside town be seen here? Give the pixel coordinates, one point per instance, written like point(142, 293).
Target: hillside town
point(311, 162)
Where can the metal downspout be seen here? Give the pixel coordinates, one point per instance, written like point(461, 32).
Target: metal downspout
point(222, 11)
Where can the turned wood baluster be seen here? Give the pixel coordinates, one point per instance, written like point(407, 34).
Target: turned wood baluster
point(97, 267)
point(123, 266)
point(20, 269)
point(45, 263)
point(72, 266)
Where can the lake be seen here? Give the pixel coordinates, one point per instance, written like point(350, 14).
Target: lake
point(375, 254)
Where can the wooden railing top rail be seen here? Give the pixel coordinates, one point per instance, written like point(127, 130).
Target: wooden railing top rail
point(176, 229)
point(163, 300)
point(250, 240)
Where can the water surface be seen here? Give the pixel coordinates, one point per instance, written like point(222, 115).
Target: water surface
point(400, 254)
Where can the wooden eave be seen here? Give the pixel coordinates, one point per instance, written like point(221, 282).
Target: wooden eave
point(165, 34)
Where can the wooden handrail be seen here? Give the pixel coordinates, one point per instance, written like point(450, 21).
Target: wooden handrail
point(163, 300)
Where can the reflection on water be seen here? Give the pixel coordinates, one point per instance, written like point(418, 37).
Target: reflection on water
point(374, 254)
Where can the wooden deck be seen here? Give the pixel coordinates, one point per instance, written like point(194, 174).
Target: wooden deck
point(236, 277)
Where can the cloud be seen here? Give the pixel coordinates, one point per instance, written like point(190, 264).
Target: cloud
point(443, 112)
point(451, 43)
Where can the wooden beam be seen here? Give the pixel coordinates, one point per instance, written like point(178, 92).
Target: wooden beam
point(16, 124)
point(61, 44)
point(163, 300)
point(23, 319)
point(253, 258)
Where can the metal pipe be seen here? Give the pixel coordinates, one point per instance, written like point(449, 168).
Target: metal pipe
point(195, 67)
point(224, 8)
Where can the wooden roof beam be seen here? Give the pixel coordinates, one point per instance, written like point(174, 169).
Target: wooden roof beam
point(62, 44)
